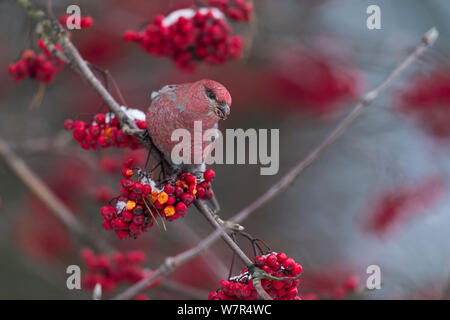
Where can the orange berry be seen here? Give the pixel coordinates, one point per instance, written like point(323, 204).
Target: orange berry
point(131, 205)
point(107, 132)
point(163, 197)
point(154, 196)
point(192, 189)
point(169, 211)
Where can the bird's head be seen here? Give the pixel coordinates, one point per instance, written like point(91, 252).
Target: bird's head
point(215, 97)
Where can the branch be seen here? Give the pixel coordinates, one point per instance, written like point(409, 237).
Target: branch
point(200, 205)
point(43, 193)
point(171, 263)
point(183, 290)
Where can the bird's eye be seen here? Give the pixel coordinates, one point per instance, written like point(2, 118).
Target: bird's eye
point(211, 95)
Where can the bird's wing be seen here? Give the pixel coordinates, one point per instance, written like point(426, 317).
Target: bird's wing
point(168, 90)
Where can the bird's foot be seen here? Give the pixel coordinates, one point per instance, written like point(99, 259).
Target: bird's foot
point(131, 132)
point(227, 224)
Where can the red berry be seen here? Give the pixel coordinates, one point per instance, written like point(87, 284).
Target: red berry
point(138, 188)
point(79, 134)
point(297, 269)
point(68, 124)
point(107, 225)
point(170, 200)
point(86, 22)
point(190, 179)
point(94, 130)
point(187, 198)
point(127, 173)
point(138, 210)
point(141, 124)
point(181, 207)
point(80, 125)
point(289, 264)
point(271, 260)
point(209, 175)
point(138, 220)
point(100, 118)
point(127, 216)
point(277, 285)
point(281, 257)
point(122, 234)
point(260, 261)
point(179, 192)
point(169, 188)
point(127, 183)
point(108, 212)
point(147, 189)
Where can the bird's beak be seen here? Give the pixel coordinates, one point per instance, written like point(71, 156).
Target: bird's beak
point(222, 110)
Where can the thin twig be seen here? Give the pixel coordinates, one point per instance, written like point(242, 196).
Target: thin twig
point(171, 263)
point(53, 203)
point(200, 205)
point(183, 290)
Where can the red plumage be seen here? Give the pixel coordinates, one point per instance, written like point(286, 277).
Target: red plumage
point(179, 106)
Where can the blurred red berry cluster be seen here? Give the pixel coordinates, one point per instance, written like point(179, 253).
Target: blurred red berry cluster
point(401, 203)
point(189, 35)
point(112, 271)
point(313, 80)
point(238, 10)
point(41, 67)
point(276, 264)
point(427, 100)
point(38, 232)
point(85, 22)
point(326, 285)
point(103, 132)
point(141, 201)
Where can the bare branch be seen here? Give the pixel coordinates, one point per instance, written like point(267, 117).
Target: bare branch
point(200, 205)
point(43, 193)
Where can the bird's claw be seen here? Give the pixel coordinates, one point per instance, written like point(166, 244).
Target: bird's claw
point(226, 224)
point(130, 131)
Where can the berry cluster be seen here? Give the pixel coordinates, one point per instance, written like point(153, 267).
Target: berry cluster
point(323, 284)
point(104, 131)
point(238, 10)
point(276, 264)
point(85, 22)
point(189, 35)
point(325, 83)
point(41, 67)
point(110, 272)
point(393, 207)
point(427, 101)
point(141, 201)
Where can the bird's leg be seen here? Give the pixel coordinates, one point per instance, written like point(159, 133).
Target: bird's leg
point(129, 131)
point(214, 204)
point(148, 155)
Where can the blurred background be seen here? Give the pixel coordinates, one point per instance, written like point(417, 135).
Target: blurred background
point(378, 196)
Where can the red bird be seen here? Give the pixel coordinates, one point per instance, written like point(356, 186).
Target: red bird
point(178, 107)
